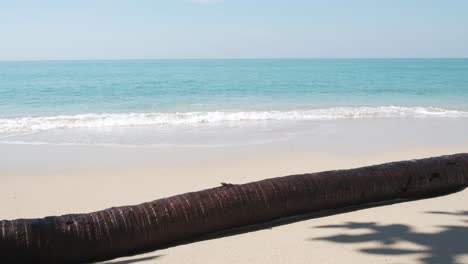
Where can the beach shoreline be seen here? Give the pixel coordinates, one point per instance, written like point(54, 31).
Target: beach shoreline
point(56, 178)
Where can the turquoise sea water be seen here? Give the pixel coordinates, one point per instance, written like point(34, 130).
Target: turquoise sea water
point(46, 95)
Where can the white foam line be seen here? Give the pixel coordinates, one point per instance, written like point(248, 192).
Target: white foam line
point(31, 124)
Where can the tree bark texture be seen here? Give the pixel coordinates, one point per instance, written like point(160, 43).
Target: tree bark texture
point(120, 231)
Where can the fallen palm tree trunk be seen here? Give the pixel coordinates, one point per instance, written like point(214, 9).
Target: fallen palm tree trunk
point(127, 230)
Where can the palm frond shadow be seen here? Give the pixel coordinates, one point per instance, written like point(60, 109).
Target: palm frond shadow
point(440, 247)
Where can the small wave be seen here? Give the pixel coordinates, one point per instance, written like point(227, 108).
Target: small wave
point(28, 124)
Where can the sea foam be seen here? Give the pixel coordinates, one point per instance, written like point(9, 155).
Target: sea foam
point(92, 120)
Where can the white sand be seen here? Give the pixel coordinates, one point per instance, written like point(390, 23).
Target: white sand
point(40, 189)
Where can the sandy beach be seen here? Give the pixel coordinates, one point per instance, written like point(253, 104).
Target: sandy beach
point(424, 231)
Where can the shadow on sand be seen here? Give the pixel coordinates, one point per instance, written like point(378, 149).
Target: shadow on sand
point(134, 260)
point(440, 247)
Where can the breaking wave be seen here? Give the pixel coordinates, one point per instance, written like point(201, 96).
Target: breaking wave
point(30, 124)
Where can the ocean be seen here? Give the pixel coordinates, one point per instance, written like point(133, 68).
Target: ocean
point(219, 101)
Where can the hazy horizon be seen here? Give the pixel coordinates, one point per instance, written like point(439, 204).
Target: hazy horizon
point(208, 29)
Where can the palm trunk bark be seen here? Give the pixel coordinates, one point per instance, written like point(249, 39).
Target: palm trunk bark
point(120, 231)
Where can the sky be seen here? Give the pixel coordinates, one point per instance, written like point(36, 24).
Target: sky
point(167, 29)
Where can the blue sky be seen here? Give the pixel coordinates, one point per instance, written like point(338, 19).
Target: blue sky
point(160, 29)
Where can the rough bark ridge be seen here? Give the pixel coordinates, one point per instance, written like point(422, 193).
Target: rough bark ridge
point(120, 231)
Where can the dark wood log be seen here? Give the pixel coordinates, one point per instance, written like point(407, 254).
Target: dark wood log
point(121, 231)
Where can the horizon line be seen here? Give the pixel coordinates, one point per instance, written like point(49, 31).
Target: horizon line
point(223, 58)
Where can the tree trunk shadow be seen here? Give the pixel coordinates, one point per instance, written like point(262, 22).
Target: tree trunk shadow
point(135, 260)
point(285, 221)
point(268, 225)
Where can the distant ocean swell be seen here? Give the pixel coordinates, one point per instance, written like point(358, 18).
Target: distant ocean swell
point(31, 124)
